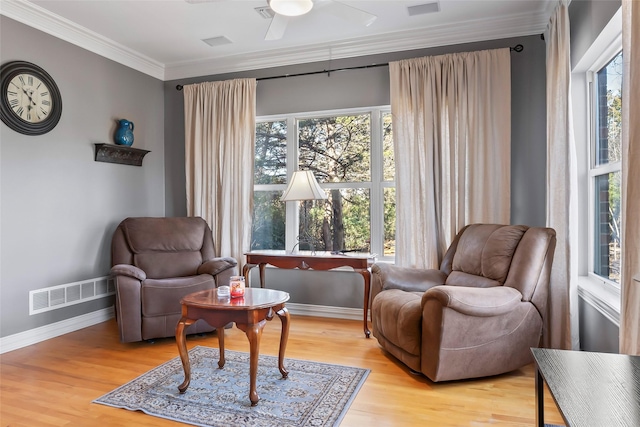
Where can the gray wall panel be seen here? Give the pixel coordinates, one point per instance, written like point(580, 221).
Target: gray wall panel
point(587, 19)
point(597, 333)
point(58, 207)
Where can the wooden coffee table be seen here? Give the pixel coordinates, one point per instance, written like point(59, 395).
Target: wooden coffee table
point(250, 314)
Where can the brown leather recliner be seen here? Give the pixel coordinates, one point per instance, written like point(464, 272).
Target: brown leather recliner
point(478, 315)
point(156, 262)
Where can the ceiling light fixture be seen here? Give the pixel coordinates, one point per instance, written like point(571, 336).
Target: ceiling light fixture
point(291, 7)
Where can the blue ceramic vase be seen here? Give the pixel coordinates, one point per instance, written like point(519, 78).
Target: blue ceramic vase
point(124, 133)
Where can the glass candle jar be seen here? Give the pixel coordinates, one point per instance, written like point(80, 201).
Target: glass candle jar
point(223, 292)
point(237, 286)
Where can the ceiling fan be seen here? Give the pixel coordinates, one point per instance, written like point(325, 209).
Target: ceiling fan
point(285, 10)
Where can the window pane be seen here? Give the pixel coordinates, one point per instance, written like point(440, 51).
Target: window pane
point(271, 153)
point(268, 230)
point(336, 149)
point(389, 167)
point(339, 223)
point(607, 225)
point(609, 112)
point(389, 222)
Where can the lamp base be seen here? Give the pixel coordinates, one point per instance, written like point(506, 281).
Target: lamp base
point(306, 239)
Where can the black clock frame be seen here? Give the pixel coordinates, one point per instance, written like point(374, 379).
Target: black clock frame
point(8, 72)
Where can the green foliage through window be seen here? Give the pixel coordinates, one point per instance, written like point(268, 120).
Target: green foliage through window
point(338, 150)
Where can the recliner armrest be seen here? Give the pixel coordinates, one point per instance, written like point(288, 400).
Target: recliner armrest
point(480, 302)
point(407, 279)
point(128, 270)
point(217, 265)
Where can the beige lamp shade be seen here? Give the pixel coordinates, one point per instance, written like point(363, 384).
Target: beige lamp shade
point(303, 186)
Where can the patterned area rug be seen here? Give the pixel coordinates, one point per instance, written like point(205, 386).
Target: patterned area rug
point(314, 394)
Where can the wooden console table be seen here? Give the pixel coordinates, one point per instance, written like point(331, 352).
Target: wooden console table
point(590, 389)
point(307, 260)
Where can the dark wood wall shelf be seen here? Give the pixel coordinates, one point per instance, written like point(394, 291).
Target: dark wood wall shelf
point(120, 154)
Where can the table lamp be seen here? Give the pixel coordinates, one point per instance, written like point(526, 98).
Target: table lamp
point(303, 186)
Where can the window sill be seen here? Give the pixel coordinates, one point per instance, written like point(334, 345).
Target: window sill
point(603, 298)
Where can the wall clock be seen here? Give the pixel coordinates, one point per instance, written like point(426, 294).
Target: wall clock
point(30, 102)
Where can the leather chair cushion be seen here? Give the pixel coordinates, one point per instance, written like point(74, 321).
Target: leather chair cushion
point(160, 265)
point(161, 297)
point(398, 318)
point(485, 250)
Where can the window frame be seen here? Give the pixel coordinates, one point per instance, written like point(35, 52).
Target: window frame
point(594, 170)
point(376, 185)
point(591, 289)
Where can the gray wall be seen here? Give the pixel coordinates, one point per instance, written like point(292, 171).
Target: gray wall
point(370, 87)
point(58, 208)
point(588, 18)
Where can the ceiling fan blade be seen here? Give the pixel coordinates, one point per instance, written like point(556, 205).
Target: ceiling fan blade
point(350, 13)
point(277, 27)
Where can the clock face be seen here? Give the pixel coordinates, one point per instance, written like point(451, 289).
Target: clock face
point(30, 102)
point(29, 98)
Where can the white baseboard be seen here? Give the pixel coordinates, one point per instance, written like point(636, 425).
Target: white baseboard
point(325, 311)
point(43, 333)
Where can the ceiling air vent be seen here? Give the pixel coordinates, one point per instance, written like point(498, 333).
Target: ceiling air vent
point(422, 9)
point(217, 41)
point(266, 12)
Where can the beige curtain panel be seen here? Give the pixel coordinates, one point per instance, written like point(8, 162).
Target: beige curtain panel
point(452, 141)
point(630, 306)
point(561, 185)
point(219, 120)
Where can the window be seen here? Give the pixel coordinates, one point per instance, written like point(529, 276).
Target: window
point(350, 153)
point(605, 170)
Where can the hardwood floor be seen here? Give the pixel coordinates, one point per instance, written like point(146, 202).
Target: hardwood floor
point(54, 382)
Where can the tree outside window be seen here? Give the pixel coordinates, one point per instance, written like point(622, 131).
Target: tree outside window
point(605, 170)
point(351, 156)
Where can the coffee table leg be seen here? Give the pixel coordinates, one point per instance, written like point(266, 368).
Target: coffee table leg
point(222, 360)
point(181, 341)
point(254, 333)
point(283, 314)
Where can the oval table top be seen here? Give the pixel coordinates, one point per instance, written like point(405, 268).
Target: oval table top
point(254, 298)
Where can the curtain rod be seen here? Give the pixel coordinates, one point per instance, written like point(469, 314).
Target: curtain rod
point(516, 48)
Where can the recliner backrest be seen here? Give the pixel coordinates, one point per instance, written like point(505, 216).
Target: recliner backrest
point(163, 247)
point(517, 256)
point(484, 254)
point(531, 265)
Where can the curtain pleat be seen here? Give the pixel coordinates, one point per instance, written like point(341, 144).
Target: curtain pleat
point(452, 142)
point(630, 304)
point(219, 153)
point(561, 186)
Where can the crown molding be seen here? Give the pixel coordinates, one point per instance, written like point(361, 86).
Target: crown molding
point(43, 20)
point(461, 32)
